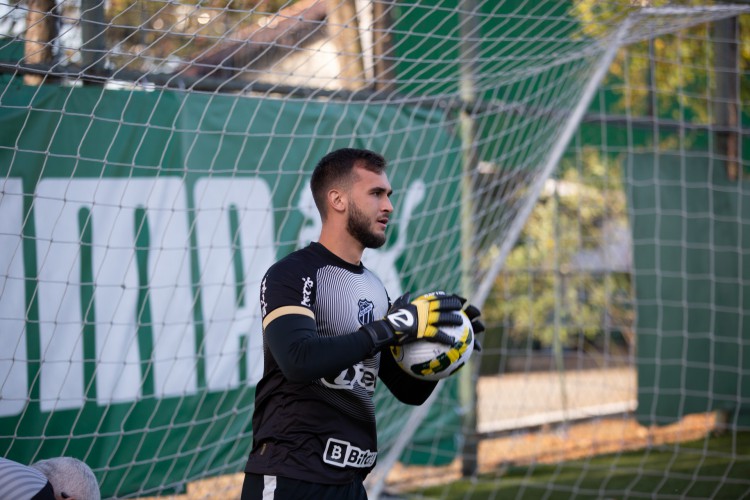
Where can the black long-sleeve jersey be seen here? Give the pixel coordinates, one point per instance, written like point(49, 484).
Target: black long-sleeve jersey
point(314, 415)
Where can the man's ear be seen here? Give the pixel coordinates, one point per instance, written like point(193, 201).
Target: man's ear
point(337, 200)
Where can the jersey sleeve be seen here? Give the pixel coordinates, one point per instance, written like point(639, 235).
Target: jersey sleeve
point(287, 288)
point(290, 331)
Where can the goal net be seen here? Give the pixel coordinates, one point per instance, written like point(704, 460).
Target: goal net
point(576, 169)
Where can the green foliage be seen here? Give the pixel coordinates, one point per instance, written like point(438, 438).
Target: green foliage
point(550, 285)
point(672, 76)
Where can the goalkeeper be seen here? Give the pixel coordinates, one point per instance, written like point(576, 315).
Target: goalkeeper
point(326, 318)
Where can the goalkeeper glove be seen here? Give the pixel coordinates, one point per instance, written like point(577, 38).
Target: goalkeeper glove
point(473, 313)
point(408, 321)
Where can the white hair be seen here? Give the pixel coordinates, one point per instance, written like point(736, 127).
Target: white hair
point(70, 478)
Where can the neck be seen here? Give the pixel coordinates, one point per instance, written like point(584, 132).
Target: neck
point(342, 245)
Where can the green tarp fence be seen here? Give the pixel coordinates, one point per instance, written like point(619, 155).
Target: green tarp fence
point(91, 147)
point(691, 244)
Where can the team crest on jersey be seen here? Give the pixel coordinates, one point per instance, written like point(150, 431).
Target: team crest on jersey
point(366, 311)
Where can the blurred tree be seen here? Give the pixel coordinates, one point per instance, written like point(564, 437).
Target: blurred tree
point(671, 76)
point(41, 27)
point(552, 283)
point(569, 260)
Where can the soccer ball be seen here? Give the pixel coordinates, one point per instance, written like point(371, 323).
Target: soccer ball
point(428, 360)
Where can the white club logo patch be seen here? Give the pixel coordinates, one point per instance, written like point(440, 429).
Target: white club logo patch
point(366, 311)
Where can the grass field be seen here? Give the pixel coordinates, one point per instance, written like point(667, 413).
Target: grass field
point(717, 467)
point(713, 467)
point(604, 458)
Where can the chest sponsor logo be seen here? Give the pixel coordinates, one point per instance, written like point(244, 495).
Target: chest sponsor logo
point(344, 454)
point(366, 311)
point(358, 374)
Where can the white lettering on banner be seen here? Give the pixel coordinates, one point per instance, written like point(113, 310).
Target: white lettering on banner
point(13, 362)
point(107, 207)
point(226, 317)
point(112, 204)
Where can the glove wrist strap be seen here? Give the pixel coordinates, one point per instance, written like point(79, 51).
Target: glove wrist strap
point(381, 333)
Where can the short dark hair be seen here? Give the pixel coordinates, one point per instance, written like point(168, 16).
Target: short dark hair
point(336, 168)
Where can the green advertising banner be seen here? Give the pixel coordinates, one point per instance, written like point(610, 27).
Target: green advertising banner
point(692, 269)
point(136, 227)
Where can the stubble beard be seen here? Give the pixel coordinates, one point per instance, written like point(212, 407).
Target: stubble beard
point(358, 225)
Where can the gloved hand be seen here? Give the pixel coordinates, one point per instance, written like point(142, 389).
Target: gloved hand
point(422, 318)
point(477, 326)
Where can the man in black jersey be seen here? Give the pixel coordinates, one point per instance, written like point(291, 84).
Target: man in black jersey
point(326, 318)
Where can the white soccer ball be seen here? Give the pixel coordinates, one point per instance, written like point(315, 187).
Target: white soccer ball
point(428, 360)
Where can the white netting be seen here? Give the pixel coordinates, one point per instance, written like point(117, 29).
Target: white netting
point(155, 159)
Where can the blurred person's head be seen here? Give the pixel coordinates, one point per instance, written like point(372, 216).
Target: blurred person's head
point(70, 478)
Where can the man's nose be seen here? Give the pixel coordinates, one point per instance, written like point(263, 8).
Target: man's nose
point(388, 206)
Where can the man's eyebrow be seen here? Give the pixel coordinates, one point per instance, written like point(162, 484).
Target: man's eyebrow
point(381, 189)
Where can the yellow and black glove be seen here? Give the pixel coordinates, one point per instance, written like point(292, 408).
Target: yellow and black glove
point(411, 320)
point(473, 313)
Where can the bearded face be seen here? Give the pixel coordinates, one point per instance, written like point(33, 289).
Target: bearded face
point(361, 228)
